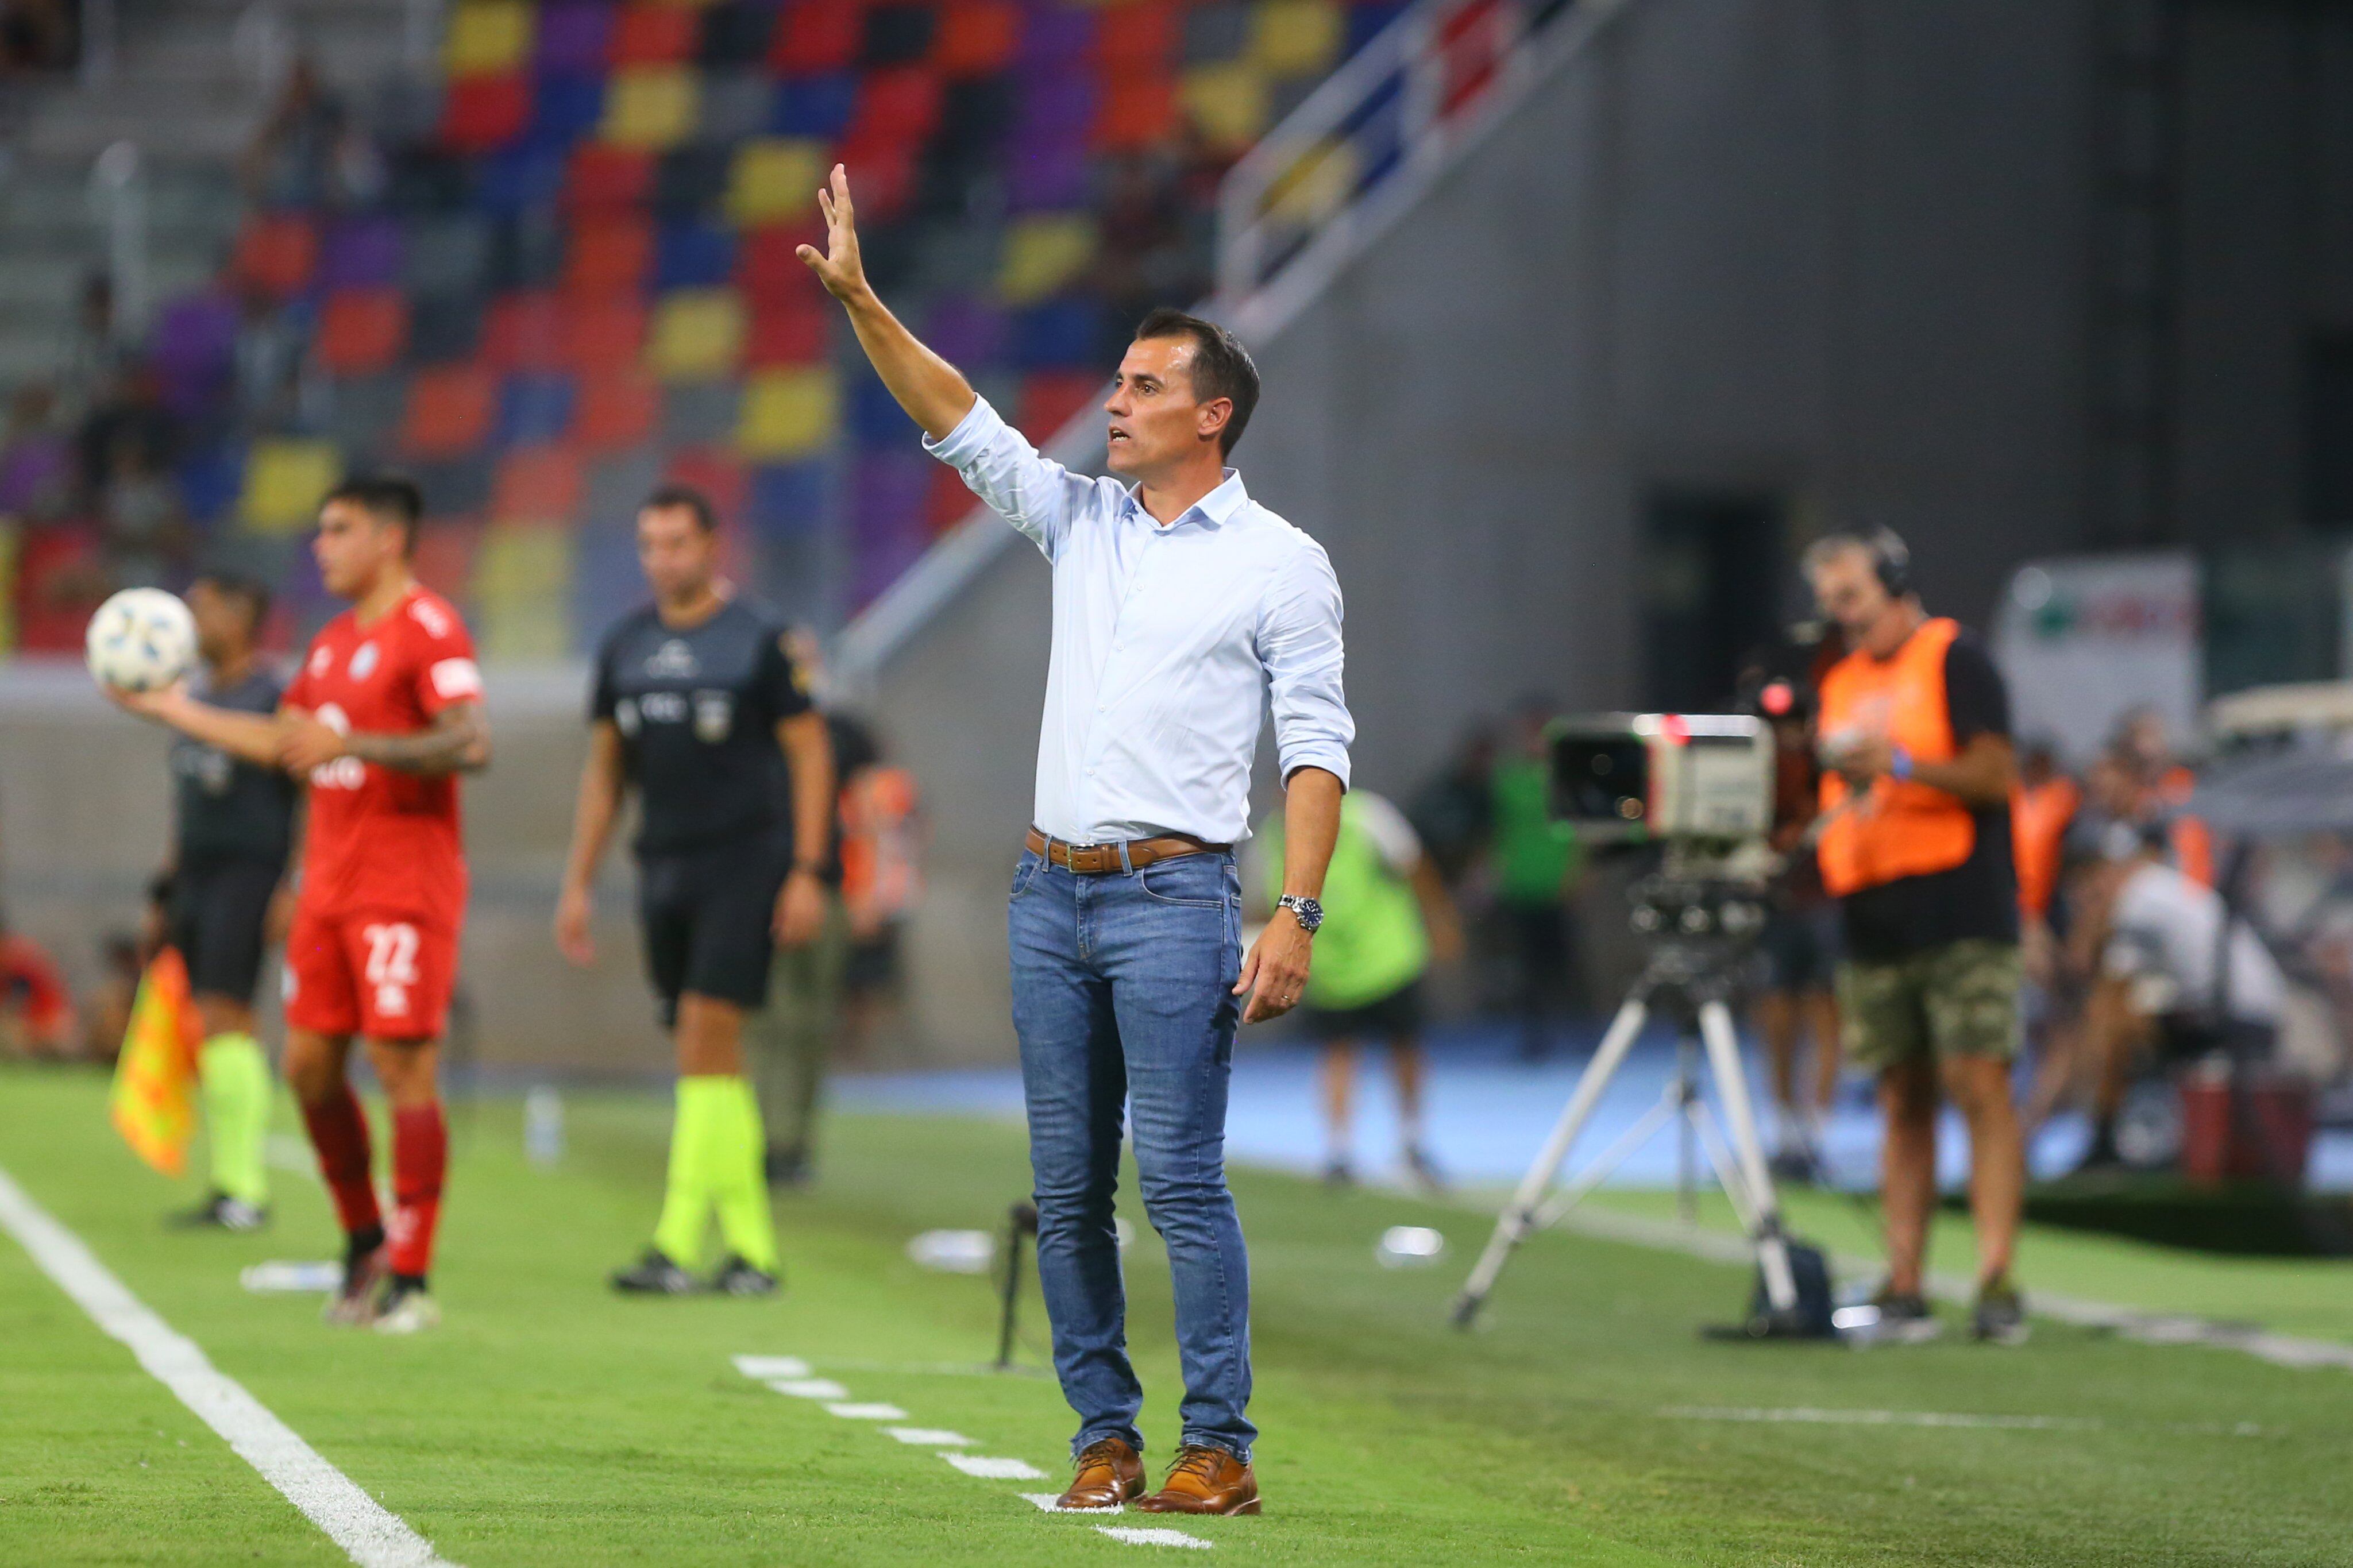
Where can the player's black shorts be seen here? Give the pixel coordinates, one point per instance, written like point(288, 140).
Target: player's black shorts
point(218, 908)
point(1390, 1017)
point(707, 915)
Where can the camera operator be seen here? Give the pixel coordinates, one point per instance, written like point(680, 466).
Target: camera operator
point(1916, 845)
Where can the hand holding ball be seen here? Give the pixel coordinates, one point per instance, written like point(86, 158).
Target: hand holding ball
point(142, 639)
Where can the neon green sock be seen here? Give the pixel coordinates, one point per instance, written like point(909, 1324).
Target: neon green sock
point(235, 1079)
point(686, 1197)
point(737, 1184)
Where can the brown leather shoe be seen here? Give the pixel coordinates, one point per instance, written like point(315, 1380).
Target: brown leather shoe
point(1110, 1473)
point(1203, 1481)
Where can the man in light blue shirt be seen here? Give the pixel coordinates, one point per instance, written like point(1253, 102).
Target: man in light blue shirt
point(1183, 611)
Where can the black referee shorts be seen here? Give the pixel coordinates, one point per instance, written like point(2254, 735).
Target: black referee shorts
point(707, 915)
point(217, 911)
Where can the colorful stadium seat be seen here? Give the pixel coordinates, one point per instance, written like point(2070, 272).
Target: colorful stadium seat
point(360, 330)
point(450, 411)
point(615, 411)
point(1296, 38)
point(284, 478)
point(787, 414)
point(1044, 252)
point(537, 484)
point(483, 113)
point(698, 333)
point(649, 106)
point(775, 177)
point(276, 253)
point(487, 35)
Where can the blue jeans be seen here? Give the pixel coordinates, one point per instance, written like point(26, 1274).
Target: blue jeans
point(1123, 996)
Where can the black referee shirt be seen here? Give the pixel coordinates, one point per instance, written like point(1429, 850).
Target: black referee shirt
point(227, 809)
point(697, 709)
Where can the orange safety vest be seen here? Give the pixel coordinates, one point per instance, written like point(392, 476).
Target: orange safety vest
point(1901, 828)
point(2038, 825)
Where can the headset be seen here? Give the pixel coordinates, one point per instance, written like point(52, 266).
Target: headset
point(1891, 557)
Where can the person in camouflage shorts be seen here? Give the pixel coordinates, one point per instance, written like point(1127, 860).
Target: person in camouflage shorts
point(1959, 999)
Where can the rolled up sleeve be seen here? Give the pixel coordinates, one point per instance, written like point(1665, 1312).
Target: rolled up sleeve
point(1299, 642)
point(1034, 493)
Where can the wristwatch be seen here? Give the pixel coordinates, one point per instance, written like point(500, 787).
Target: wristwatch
point(1306, 912)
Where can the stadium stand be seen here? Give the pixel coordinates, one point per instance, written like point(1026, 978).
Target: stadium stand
point(573, 272)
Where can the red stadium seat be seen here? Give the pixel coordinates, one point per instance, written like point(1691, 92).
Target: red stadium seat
point(818, 36)
point(796, 329)
point(277, 253)
point(362, 331)
point(608, 254)
point(767, 259)
point(716, 472)
point(1142, 37)
point(444, 557)
point(1137, 111)
point(884, 172)
point(603, 333)
point(482, 113)
point(537, 484)
point(524, 331)
point(976, 38)
point(901, 104)
point(947, 502)
point(1049, 398)
point(603, 178)
point(450, 410)
point(654, 35)
point(615, 411)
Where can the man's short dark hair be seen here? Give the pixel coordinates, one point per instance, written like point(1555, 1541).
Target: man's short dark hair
point(391, 498)
point(1221, 366)
point(684, 498)
point(249, 590)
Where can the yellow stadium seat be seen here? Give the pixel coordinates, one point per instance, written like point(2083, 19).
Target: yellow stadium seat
point(487, 35)
point(522, 580)
point(284, 478)
point(1315, 186)
point(650, 108)
point(698, 335)
point(1228, 100)
point(1043, 253)
point(775, 177)
point(1295, 38)
point(787, 414)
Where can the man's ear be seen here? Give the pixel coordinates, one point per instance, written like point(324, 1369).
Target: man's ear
point(1214, 416)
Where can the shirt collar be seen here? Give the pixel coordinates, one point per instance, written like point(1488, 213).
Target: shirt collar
point(1217, 509)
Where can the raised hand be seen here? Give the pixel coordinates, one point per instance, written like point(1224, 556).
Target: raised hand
point(840, 269)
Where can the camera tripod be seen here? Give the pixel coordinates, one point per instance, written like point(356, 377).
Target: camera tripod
point(1700, 929)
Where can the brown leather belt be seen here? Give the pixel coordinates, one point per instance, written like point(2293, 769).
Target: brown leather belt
point(1102, 859)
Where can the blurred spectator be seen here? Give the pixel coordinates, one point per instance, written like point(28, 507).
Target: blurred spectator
point(36, 459)
point(1454, 812)
point(37, 1014)
point(2150, 935)
point(122, 960)
point(90, 360)
point(39, 36)
point(142, 527)
point(311, 151)
point(1389, 917)
point(271, 345)
point(881, 878)
point(2162, 786)
point(130, 416)
point(1536, 863)
point(1145, 260)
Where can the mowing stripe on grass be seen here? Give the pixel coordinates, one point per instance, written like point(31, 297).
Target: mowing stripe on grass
point(372, 1535)
point(2148, 1328)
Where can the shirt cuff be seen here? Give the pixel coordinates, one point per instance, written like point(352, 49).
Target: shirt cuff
point(971, 437)
point(1333, 760)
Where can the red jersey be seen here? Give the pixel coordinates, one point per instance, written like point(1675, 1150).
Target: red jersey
point(380, 841)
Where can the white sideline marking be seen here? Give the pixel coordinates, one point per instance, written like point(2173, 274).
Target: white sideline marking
point(994, 1469)
point(1134, 1536)
point(809, 1388)
point(760, 1368)
point(1050, 1503)
point(872, 1410)
point(931, 1438)
point(371, 1535)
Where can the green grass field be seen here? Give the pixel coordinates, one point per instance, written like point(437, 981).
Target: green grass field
point(549, 1423)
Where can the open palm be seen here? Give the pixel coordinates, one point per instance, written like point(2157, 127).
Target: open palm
point(840, 268)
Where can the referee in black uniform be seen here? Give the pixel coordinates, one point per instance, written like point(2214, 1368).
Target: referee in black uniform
point(699, 705)
point(233, 829)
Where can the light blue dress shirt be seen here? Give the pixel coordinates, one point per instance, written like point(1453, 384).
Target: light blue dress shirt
point(1170, 644)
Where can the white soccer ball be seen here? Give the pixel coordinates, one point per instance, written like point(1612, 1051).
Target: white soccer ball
point(141, 639)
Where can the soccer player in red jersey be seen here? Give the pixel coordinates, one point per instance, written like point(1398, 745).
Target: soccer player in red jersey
point(384, 715)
